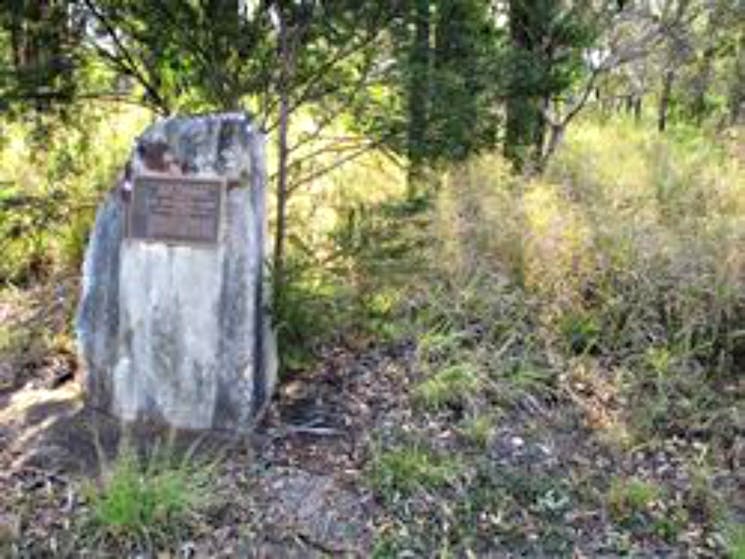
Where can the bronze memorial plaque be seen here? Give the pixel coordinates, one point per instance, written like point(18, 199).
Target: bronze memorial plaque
point(175, 209)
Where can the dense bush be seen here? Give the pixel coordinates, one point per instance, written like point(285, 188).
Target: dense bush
point(52, 174)
point(624, 259)
point(609, 290)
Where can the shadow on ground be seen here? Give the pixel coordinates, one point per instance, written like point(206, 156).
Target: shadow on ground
point(292, 488)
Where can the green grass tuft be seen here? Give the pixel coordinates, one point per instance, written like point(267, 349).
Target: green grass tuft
point(736, 541)
point(450, 386)
point(139, 505)
point(404, 470)
point(479, 429)
point(627, 498)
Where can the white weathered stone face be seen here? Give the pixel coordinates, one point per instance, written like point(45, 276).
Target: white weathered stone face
point(179, 333)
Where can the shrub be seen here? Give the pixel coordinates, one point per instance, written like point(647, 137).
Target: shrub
point(50, 183)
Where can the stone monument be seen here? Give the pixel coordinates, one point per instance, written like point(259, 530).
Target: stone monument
point(172, 325)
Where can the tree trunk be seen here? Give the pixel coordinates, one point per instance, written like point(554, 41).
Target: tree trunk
point(418, 96)
point(667, 87)
point(555, 137)
point(523, 114)
point(629, 103)
point(286, 62)
point(737, 84)
point(539, 136)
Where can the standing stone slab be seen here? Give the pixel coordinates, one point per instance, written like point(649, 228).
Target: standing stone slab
point(172, 325)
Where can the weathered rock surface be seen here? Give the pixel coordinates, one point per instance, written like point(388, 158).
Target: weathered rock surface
point(179, 334)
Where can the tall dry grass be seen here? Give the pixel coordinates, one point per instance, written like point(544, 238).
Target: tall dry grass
point(626, 259)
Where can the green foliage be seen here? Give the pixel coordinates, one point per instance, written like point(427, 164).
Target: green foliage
point(464, 84)
point(736, 541)
point(627, 498)
point(50, 185)
point(448, 387)
point(313, 308)
point(405, 470)
point(145, 504)
point(73, 239)
point(183, 55)
point(40, 56)
point(443, 86)
point(548, 42)
point(371, 255)
point(580, 331)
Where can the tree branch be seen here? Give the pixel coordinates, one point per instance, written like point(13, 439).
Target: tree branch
point(128, 65)
point(307, 94)
point(335, 165)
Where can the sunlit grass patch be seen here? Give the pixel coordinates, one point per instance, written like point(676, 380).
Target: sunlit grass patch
point(557, 242)
point(735, 538)
point(142, 504)
point(479, 428)
point(451, 385)
point(405, 470)
point(627, 498)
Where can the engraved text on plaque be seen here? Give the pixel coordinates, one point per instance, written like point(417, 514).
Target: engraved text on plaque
point(178, 209)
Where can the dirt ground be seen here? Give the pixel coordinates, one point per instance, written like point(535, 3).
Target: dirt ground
point(297, 487)
point(291, 489)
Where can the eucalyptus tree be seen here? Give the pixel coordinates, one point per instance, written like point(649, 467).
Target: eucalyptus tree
point(560, 52)
point(566, 51)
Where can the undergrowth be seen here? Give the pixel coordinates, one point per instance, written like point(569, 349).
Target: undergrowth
point(145, 502)
point(52, 175)
point(346, 288)
point(628, 254)
point(612, 286)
